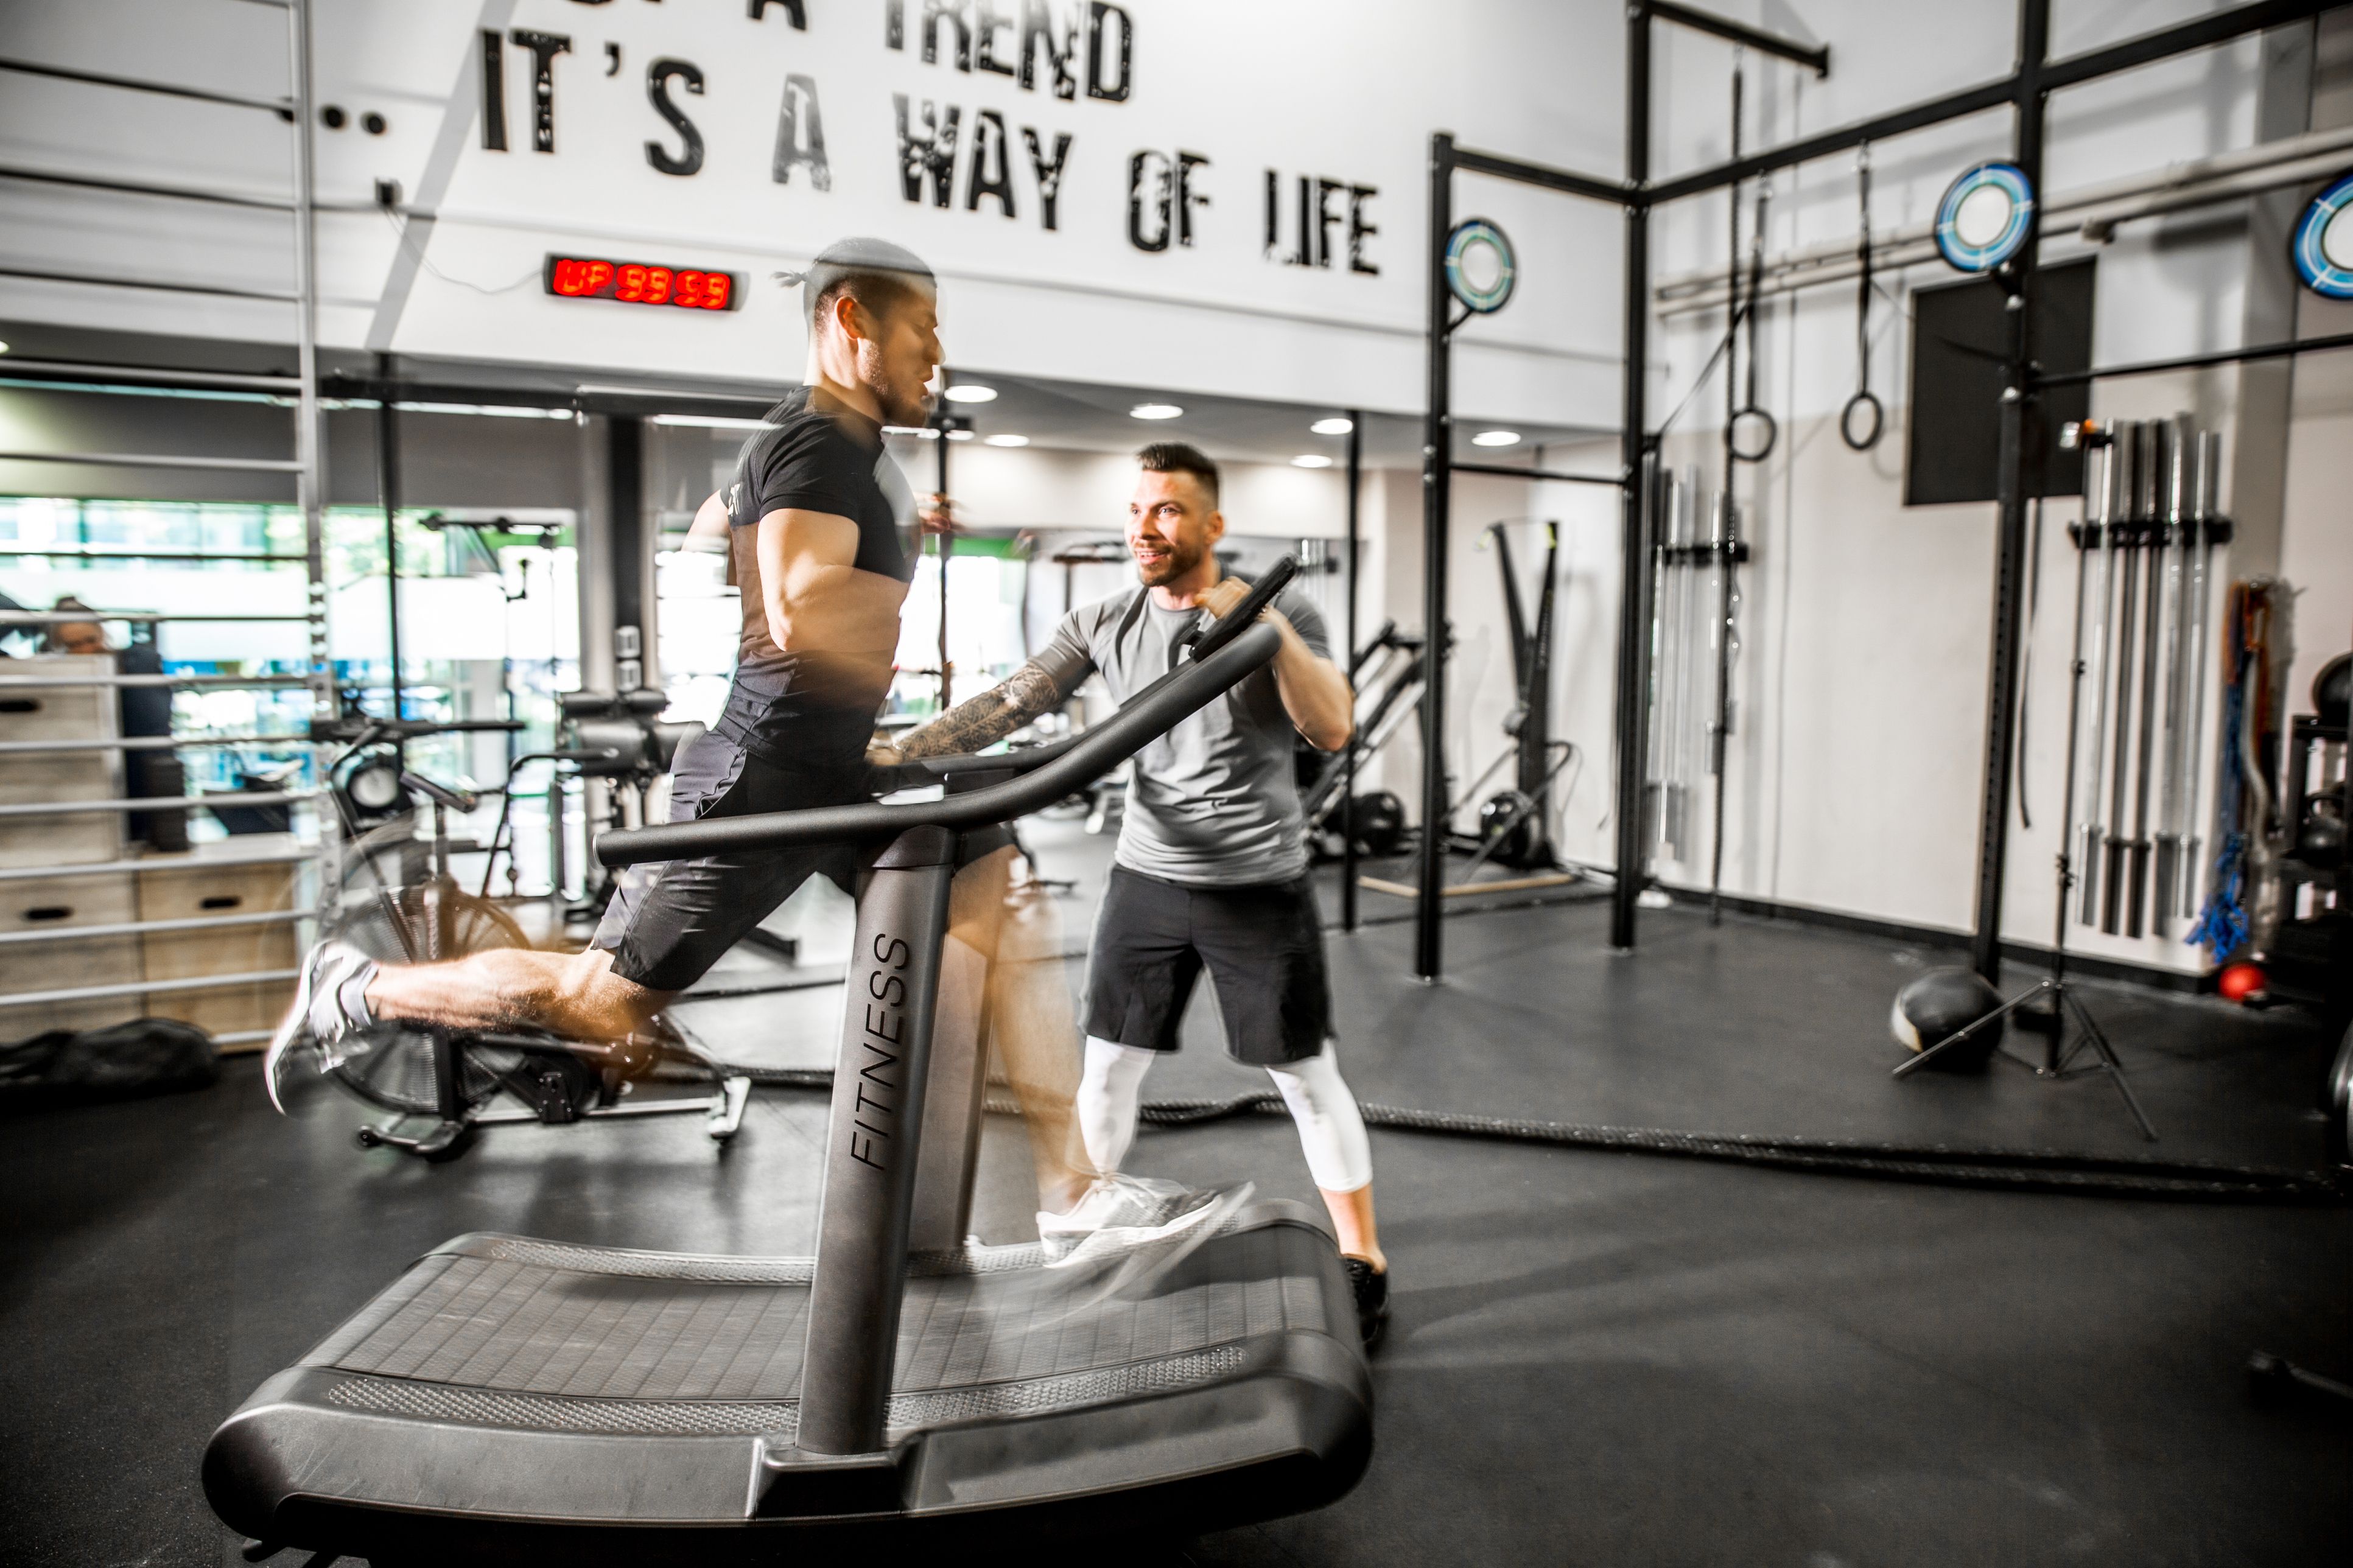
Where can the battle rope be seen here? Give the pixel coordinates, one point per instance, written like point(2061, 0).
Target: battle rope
point(2009, 1169)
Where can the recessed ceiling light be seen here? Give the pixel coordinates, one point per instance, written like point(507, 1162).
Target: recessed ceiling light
point(1496, 439)
point(1332, 426)
point(967, 393)
point(959, 435)
point(920, 432)
point(1006, 441)
point(1311, 460)
point(1155, 411)
point(3, 348)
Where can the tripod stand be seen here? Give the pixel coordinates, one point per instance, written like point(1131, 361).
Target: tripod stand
point(2059, 1053)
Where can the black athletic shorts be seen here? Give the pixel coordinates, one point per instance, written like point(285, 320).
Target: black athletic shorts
point(1263, 946)
point(671, 921)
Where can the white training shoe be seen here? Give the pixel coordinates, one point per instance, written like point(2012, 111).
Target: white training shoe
point(1143, 1222)
point(330, 1006)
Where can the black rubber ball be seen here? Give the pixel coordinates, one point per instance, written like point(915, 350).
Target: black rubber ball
point(1939, 1005)
point(1377, 821)
point(2332, 690)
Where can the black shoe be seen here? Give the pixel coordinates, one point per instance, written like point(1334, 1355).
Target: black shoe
point(1371, 1288)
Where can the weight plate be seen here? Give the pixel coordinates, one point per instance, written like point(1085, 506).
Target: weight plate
point(2322, 248)
point(1983, 218)
point(1479, 267)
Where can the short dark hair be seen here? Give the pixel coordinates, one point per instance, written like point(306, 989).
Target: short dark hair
point(876, 273)
point(1178, 458)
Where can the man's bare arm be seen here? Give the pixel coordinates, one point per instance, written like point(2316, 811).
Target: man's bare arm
point(1314, 693)
point(984, 720)
point(709, 530)
point(816, 600)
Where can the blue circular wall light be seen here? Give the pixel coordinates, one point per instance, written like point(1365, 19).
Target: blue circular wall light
point(1983, 218)
point(2322, 248)
point(1480, 271)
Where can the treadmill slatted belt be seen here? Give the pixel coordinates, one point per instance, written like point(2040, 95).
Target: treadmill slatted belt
point(781, 1419)
point(536, 1320)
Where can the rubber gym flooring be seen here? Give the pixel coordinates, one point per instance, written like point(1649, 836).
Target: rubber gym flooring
point(1596, 1359)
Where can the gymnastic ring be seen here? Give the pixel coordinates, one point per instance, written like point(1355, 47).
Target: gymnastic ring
point(1878, 422)
point(1756, 454)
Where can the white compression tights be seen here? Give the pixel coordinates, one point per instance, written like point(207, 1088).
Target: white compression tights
point(1331, 1128)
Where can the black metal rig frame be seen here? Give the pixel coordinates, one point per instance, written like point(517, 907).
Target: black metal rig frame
point(2026, 91)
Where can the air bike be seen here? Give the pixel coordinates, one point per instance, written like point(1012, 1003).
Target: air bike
point(509, 1400)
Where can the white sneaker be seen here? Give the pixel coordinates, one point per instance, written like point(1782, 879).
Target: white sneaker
point(1144, 1223)
point(330, 1007)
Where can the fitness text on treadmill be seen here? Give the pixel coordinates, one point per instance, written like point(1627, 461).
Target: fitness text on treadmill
point(888, 1024)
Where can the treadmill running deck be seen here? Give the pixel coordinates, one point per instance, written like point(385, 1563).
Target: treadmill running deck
point(504, 1383)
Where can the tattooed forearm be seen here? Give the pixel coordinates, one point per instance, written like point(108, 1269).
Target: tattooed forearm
point(984, 719)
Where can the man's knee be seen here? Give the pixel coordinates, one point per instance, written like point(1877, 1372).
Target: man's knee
point(587, 987)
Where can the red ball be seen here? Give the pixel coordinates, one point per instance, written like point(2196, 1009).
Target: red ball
point(2241, 981)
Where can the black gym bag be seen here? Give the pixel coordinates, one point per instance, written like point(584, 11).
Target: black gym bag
point(122, 1062)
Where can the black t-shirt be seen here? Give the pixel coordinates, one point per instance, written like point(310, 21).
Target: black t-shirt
point(811, 710)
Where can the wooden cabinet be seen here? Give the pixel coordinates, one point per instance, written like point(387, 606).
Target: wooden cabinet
point(241, 878)
point(48, 904)
point(63, 713)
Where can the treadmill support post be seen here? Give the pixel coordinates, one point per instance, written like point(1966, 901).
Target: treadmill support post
point(870, 1163)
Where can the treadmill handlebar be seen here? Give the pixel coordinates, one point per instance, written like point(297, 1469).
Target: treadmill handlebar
point(1067, 767)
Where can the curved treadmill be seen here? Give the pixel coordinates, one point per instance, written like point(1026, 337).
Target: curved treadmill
point(507, 1399)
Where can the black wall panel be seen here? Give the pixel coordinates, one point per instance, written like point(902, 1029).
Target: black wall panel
point(1960, 335)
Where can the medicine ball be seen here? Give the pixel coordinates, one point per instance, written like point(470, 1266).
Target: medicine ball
point(1508, 821)
point(2320, 838)
point(1939, 1005)
point(2332, 690)
point(1376, 821)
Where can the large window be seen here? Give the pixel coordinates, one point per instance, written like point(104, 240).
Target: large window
point(489, 624)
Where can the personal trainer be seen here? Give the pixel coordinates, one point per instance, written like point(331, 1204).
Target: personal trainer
point(1211, 865)
point(813, 521)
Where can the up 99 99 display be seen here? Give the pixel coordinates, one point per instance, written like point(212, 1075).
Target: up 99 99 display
point(641, 283)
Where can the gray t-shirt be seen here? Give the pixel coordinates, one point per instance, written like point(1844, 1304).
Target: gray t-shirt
point(1215, 800)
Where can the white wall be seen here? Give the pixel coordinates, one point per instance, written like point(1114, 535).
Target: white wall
point(1036, 488)
point(1345, 89)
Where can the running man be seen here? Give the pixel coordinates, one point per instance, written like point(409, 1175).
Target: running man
point(813, 522)
point(1212, 866)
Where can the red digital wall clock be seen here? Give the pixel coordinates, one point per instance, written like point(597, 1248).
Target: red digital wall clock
point(642, 283)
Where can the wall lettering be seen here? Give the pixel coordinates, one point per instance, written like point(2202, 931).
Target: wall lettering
point(494, 92)
point(1059, 46)
point(800, 136)
point(933, 154)
point(986, 31)
point(1309, 220)
point(992, 164)
point(543, 47)
point(689, 160)
point(1049, 173)
point(1165, 212)
point(950, 11)
point(1312, 230)
point(1359, 230)
point(986, 24)
point(1098, 14)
